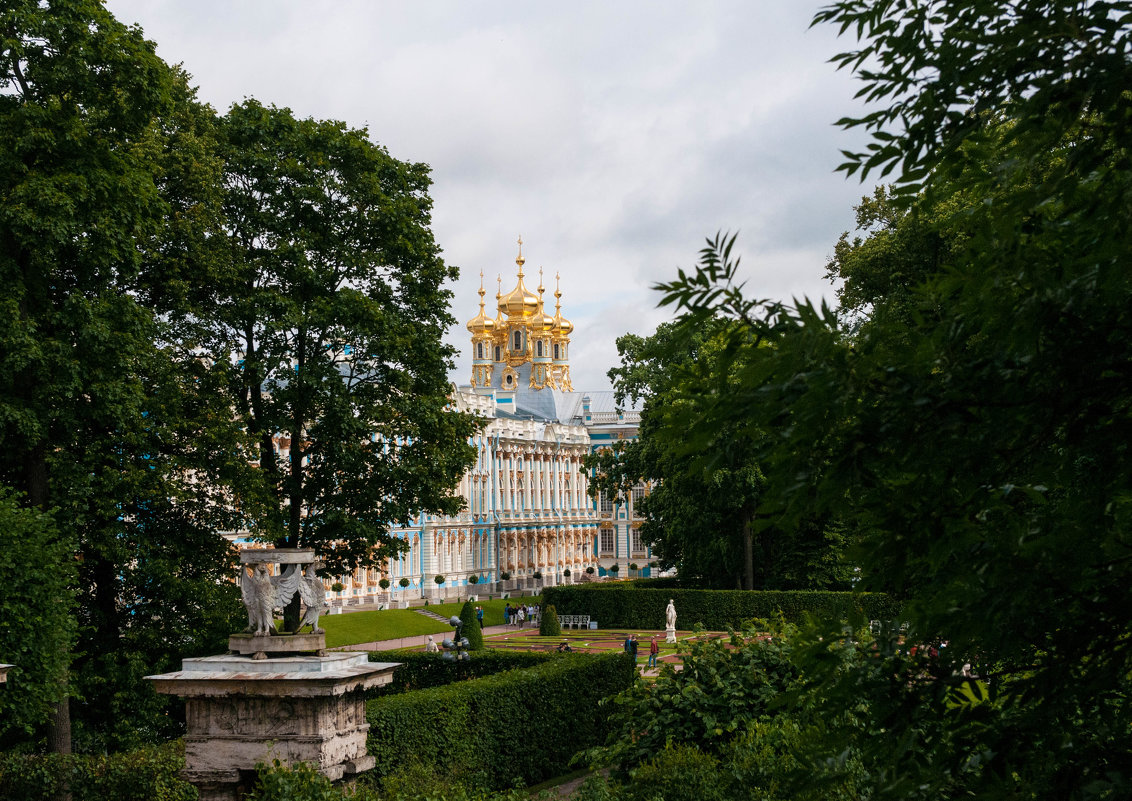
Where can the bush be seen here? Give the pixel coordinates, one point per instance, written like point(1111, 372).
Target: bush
point(566, 572)
point(383, 583)
point(418, 670)
point(473, 579)
point(505, 576)
point(640, 605)
point(146, 774)
point(590, 570)
point(404, 582)
point(548, 622)
point(471, 627)
point(438, 579)
point(510, 728)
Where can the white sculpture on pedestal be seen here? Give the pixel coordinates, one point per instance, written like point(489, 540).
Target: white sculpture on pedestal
point(670, 622)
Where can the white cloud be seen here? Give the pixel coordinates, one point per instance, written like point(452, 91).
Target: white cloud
point(613, 136)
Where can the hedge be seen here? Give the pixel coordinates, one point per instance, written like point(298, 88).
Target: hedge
point(521, 726)
point(147, 774)
point(630, 605)
point(419, 670)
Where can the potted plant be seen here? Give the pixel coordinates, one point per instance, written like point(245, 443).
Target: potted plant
point(438, 579)
point(614, 568)
point(404, 582)
point(337, 586)
point(536, 575)
point(504, 576)
point(384, 583)
point(566, 572)
point(633, 567)
point(473, 579)
point(590, 570)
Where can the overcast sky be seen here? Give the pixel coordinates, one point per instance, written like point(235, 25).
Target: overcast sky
point(613, 136)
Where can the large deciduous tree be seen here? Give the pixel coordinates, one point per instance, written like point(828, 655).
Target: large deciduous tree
point(331, 321)
point(976, 427)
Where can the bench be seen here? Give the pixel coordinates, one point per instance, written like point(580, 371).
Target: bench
point(574, 621)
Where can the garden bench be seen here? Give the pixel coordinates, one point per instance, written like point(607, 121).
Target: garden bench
point(574, 621)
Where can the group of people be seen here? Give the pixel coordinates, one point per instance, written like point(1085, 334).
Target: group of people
point(520, 614)
point(631, 647)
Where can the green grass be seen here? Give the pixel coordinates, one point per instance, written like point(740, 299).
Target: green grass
point(389, 624)
point(492, 610)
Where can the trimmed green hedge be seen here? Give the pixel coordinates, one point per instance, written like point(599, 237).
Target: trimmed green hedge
point(420, 670)
point(629, 605)
point(518, 726)
point(147, 774)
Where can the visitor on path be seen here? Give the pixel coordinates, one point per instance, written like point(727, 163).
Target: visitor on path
point(479, 616)
point(522, 615)
point(654, 649)
point(507, 614)
point(633, 648)
point(564, 647)
point(628, 646)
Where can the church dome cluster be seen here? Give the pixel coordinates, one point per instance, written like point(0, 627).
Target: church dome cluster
point(522, 342)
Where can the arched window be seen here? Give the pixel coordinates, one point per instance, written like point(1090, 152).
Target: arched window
point(518, 341)
point(556, 356)
point(497, 358)
point(538, 348)
point(508, 380)
point(479, 350)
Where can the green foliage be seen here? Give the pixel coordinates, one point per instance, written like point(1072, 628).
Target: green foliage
point(548, 625)
point(331, 315)
point(300, 782)
point(369, 626)
point(471, 627)
point(721, 692)
point(146, 774)
point(418, 670)
point(640, 607)
point(37, 629)
point(468, 729)
point(404, 582)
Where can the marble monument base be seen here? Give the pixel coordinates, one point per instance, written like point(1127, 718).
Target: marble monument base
point(259, 646)
point(242, 712)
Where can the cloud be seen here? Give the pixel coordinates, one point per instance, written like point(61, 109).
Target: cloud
point(613, 136)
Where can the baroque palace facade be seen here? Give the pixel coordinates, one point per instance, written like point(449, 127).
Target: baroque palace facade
point(528, 520)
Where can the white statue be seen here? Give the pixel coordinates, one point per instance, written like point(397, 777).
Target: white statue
point(313, 594)
point(670, 622)
point(263, 594)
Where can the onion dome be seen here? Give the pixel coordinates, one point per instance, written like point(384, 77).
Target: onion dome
point(543, 321)
point(481, 323)
point(520, 302)
point(559, 324)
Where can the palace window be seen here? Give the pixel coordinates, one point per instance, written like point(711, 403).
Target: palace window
point(479, 350)
point(498, 356)
point(538, 348)
point(606, 502)
point(638, 493)
point(518, 341)
point(607, 540)
point(637, 540)
point(556, 352)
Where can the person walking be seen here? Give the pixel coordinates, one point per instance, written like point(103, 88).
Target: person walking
point(654, 649)
point(633, 648)
point(507, 614)
point(522, 615)
point(479, 616)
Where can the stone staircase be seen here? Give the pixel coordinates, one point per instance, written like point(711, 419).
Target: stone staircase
point(431, 614)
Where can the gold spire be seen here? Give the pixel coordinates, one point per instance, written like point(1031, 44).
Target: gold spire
point(481, 323)
point(561, 326)
point(520, 303)
point(519, 259)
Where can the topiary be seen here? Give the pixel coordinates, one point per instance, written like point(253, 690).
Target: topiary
point(438, 579)
point(590, 570)
point(548, 623)
point(504, 576)
point(404, 582)
point(471, 626)
point(384, 583)
point(473, 579)
point(566, 572)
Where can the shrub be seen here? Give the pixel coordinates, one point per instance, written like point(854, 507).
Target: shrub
point(146, 774)
point(548, 622)
point(501, 730)
point(566, 572)
point(537, 574)
point(641, 604)
point(471, 627)
point(473, 579)
point(590, 570)
point(633, 566)
point(418, 670)
point(438, 579)
point(337, 586)
point(614, 568)
point(505, 576)
point(383, 583)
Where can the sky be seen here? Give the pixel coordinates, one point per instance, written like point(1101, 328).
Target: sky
point(614, 137)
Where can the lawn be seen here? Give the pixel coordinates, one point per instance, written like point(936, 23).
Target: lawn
point(389, 624)
point(492, 610)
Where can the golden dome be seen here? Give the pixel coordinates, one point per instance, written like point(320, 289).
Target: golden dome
point(560, 325)
point(481, 323)
point(520, 302)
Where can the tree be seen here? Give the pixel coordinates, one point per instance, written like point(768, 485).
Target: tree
point(330, 322)
point(471, 626)
point(699, 514)
point(978, 440)
point(37, 626)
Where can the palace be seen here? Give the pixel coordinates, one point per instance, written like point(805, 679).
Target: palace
point(528, 520)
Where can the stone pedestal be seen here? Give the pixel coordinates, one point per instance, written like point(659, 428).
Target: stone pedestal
point(243, 711)
point(4, 673)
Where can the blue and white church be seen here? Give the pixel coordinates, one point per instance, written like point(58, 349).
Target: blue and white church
point(528, 520)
